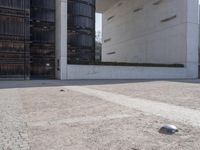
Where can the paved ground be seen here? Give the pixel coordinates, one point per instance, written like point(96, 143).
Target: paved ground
point(99, 115)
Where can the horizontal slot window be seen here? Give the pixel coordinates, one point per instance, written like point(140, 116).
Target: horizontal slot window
point(169, 18)
point(157, 2)
point(111, 53)
point(107, 40)
point(110, 18)
point(137, 10)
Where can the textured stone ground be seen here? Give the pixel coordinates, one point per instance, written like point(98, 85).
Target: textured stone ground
point(36, 115)
point(13, 127)
point(181, 93)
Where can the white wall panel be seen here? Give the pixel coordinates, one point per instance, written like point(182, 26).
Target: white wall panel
point(141, 37)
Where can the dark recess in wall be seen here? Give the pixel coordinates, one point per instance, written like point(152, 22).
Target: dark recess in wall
point(81, 31)
point(14, 38)
point(27, 37)
point(42, 48)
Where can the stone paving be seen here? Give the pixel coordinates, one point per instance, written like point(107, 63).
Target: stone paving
point(172, 112)
point(68, 115)
point(13, 127)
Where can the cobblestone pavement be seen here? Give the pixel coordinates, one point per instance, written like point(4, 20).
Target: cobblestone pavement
point(13, 128)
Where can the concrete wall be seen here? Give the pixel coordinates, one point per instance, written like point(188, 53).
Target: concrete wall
point(199, 44)
point(146, 39)
point(192, 37)
point(103, 5)
point(121, 72)
point(137, 33)
point(61, 39)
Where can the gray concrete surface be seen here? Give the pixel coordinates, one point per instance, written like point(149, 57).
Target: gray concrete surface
point(13, 128)
point(168, 111)
point(36, 115)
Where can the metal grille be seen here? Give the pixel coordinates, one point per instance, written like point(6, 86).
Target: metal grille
point(43, 39)
point(14, 38)
point(81, 31)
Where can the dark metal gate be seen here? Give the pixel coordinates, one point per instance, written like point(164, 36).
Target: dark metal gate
point(27, 37)
point(81, 31)
point(14, 38)
point(42, 48)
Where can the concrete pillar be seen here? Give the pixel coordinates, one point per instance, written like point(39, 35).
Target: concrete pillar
point(192, 38)
point(61, 39)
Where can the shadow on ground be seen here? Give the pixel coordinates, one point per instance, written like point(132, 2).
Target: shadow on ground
point(54, 83)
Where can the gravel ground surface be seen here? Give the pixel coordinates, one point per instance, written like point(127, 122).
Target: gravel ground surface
point(13, 127)
point(181, 93)
point(39, 115)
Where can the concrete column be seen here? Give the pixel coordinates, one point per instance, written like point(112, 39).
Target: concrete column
point(61, 39)
point(192, 38)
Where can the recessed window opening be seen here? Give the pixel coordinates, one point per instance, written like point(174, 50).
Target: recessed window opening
point(107, 40)
point(157, 2)
point(169, 18)
point(111, 53)
point(110, 18)
point(138, 9)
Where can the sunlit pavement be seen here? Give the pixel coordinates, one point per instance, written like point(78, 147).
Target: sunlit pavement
point(99, 114)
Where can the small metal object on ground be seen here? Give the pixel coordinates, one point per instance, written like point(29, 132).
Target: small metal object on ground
point(168, 129)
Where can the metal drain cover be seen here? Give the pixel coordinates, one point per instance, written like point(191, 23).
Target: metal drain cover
point(168, 129)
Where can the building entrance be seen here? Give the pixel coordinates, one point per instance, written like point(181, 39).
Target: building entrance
point(42, 47)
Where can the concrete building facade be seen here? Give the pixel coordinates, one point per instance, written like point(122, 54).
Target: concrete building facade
point(145, 31)
point(163, 32)
point(28, 29)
